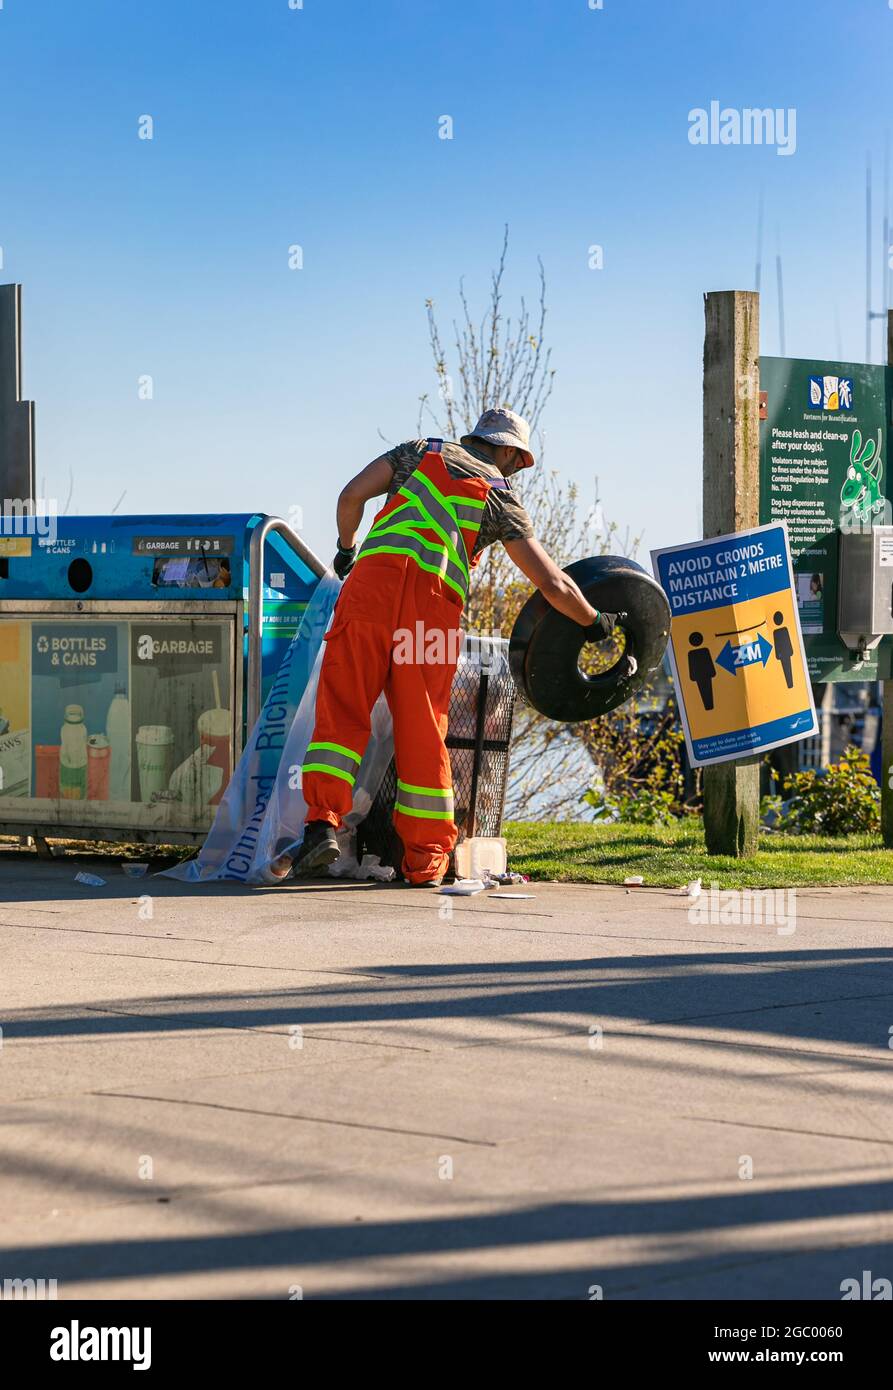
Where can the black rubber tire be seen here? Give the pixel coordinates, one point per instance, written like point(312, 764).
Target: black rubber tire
point(545, 646)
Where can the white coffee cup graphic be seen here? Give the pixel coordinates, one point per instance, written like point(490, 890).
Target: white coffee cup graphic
point(155, 758)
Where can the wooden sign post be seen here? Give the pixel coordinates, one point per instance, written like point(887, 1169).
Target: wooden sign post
point(732, 503)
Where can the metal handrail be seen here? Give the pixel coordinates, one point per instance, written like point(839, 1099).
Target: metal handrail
point(256, 599)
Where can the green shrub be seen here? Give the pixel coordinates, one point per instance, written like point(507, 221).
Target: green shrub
point(842, 799)
point(640, 767)
point(650, 806)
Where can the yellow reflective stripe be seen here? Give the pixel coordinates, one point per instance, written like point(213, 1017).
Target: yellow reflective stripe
point(406, 528)
point(445, 565)
point(434, 524)
point(424, 791)
point(329, 771)
point(411, 528)
point(430, 523)
point(405, 550)
point(434, 803)
point(469, 511)
point(472, 522)
point(332, 758)
point(337, 748)
point(383, 521)
point(432, 488)
point(422, 815)
point(396, 533)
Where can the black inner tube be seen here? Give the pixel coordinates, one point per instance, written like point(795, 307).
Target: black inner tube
point(545, 646)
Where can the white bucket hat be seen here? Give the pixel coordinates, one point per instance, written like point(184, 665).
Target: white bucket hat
point(501, 426)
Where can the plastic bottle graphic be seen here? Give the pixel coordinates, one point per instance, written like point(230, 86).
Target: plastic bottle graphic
point(117, 729)
point(73, 755)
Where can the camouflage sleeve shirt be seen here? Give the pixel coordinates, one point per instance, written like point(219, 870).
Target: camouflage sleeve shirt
point(505, 519)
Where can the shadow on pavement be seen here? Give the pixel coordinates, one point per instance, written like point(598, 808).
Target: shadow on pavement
point(299, 1249)
point(824, 995)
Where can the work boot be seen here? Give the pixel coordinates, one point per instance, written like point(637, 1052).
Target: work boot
point(319, 848)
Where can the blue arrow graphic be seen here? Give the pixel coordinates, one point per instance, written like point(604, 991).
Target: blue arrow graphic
point(765, 649)
point(734, 659)
point(726, 659)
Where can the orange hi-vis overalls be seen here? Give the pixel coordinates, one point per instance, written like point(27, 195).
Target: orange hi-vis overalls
point(396, 628)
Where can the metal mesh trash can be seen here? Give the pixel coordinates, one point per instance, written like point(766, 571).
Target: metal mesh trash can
point(482, 705)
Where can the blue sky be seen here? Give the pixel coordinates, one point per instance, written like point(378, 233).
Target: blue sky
point(319, 126)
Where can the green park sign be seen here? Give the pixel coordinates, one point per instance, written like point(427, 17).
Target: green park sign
point(823, 468)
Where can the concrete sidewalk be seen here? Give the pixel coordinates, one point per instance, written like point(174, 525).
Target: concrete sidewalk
point(227, 1093)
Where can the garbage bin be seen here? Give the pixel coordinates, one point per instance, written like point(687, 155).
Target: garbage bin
point(482, 706)
point(134, 652)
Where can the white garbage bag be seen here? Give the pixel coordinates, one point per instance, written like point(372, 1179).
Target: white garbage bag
point(262, 811)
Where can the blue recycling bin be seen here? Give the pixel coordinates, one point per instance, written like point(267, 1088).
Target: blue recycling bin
point(134, 654)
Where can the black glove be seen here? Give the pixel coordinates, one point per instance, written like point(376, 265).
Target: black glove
point(603, 626)
point(344, 560)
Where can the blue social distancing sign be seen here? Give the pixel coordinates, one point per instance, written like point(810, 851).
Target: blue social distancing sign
point(736, 647)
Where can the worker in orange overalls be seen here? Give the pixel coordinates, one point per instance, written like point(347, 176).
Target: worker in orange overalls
point(445, 503)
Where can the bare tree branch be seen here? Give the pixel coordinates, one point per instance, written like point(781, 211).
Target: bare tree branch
point(506, 361)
